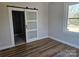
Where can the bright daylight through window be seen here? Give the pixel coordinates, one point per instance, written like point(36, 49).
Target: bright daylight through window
point(73, 18)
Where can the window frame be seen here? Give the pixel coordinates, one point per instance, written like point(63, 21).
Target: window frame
point(65, 22)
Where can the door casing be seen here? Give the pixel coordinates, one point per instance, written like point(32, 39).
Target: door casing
point(11, 23)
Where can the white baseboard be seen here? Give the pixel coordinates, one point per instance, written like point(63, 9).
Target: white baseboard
point(10, 46)
point(5, 47)
point(70, 44)
point(65, 42)
point(31, 40)
point(42, 37)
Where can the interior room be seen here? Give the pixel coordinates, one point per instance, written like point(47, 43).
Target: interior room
point(39, 29)
point(19, 27)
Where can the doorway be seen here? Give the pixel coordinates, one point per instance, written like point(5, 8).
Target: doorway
point(18, 18)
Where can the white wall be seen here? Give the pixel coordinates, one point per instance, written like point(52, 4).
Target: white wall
point(56, 23)
point(4, 28)
point(5, 39)
point(51, 22)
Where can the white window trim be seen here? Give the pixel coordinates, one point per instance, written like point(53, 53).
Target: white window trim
point(66, 20)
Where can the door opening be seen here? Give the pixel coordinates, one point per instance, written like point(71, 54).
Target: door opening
point(19, 27)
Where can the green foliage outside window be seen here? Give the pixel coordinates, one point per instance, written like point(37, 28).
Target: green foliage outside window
point(74, 20)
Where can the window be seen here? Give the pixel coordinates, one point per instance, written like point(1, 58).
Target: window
point(73, 18)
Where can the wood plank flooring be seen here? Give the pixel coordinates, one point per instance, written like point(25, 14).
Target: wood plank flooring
point(40, 48)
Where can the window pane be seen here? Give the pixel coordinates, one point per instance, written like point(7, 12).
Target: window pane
point(31, 16)
point(73, 18)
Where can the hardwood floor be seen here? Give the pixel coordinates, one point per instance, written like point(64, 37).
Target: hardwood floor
point(41, 48)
